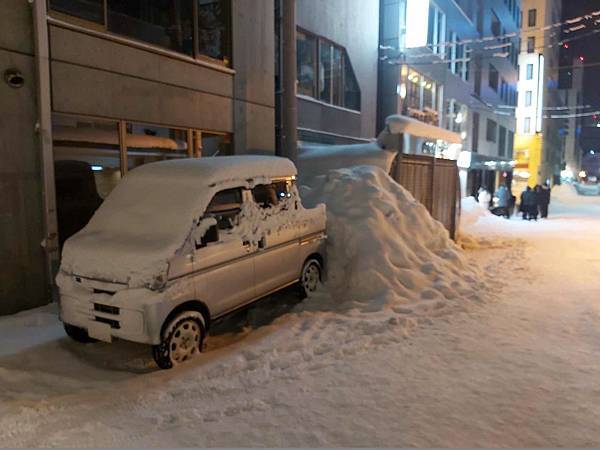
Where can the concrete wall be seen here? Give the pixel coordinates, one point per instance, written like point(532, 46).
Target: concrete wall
point(353, 24)
point(22, 271)
point(254, 83)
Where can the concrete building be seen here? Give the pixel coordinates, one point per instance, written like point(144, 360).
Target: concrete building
point(337, 55)
point(539, 142)
point(453, 65)
point(107, 85)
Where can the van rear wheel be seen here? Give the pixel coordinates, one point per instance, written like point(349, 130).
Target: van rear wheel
point(183, 338)
point(310, 277)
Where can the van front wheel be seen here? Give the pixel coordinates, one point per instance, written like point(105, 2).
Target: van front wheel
point(182, 340)
point(78, 334)
point(310, 277)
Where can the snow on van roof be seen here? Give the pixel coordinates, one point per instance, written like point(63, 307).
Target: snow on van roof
point(213, 170)
point(146, 218)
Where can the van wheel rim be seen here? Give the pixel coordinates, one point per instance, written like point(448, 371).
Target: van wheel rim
point(310, 278)
point(185, 342)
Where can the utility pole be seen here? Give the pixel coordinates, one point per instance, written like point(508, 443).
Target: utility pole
point(290, 108)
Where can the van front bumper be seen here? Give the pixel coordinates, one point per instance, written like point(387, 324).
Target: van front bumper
point(131, 314)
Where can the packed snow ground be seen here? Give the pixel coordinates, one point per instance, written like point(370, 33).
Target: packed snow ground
point(519, 367)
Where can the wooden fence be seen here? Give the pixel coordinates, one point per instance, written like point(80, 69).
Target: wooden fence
point(433, 182)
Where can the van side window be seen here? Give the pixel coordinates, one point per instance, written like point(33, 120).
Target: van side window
point(268, 195)
point(225, 207)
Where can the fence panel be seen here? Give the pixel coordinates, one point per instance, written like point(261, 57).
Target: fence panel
point(434, 183)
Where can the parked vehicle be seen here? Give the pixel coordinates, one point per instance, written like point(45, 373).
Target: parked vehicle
point(587, 188)
point(178, 244)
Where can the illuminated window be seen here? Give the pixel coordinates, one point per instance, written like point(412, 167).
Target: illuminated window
point(528, 97)
point(529, 72)
point(527, 125)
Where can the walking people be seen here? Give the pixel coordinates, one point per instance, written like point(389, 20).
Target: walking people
point(528, 204)
point(544, 200)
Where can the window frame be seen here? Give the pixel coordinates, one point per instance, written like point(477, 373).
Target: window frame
point(532, 14)
point(491, 126)
point(345, 63)
point(531, 44)
point(196, 56)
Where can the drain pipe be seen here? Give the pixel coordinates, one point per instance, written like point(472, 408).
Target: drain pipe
point(290, 107)
point(43, 128)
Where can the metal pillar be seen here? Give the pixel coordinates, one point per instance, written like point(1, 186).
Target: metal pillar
point(290, 108)
point(44, 131)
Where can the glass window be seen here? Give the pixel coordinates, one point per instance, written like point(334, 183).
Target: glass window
point(306, 64)
point(532, 17)
point(493, 78)
point(529, 72)
point(337, 77)
point(496, 25)
point(91, 10)
point(352, 98)
point(531, 44)
point(527, 125)
point(502, 141)
point(86, 169)
point(528, 97)
point(148, 143)
point(216, 144)
point(94, 142)
point(475, 134)
point(214, 25)
point(166, 23)
point(491, 131)
point(325, 75)
point(225, 207)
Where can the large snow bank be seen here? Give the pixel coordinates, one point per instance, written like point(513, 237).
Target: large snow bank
point(471, 211)
point(384, 249)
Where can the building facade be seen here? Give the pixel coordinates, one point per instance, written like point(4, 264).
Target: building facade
point(108, 85)
point(540, 141)
point(337, 63)
point(453, 65)
point(571, 91)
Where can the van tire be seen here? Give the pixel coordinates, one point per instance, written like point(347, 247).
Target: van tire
point(183, 338)
point(310, 277)
point(78, 334)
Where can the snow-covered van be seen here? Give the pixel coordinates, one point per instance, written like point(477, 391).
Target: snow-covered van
point(181, 243)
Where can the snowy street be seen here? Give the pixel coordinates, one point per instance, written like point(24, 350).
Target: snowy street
point(517, 366)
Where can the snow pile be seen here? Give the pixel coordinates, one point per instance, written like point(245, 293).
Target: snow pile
point(471, 211)
point(384, 249)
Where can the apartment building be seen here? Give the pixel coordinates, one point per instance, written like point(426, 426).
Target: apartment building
point(539, 142)
point(452, 65)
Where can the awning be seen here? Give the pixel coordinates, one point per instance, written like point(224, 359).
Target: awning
point(403, 124)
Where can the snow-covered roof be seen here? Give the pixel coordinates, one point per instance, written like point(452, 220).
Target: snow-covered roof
point(402, 124)
point(147, 217)
point(215, 170)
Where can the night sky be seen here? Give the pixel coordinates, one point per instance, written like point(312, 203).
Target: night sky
point(589, 47)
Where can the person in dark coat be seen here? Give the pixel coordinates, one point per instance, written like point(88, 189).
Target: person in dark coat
point(544, 200)
point(528, 204)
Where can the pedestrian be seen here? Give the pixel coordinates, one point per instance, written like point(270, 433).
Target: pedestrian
point(544, 199)
point(502, 201)
point(535, 207)
point(484, 197)
point(528, 204)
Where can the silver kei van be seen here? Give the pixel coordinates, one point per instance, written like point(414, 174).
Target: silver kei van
point(181, 243)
